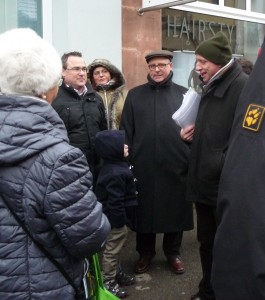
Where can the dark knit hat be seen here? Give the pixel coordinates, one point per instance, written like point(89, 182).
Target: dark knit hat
point(159, 53)
point(216, 49)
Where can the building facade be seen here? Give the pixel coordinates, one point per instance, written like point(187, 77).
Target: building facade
point(118, 31)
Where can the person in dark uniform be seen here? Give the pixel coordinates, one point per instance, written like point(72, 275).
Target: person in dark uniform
point(222, 82)
point(238, 271)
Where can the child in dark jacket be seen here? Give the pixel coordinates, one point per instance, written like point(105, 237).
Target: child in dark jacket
point(115, 189)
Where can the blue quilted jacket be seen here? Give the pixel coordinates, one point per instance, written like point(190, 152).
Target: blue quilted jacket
point(48, 183)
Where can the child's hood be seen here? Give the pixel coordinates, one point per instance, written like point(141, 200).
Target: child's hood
point(109, 144)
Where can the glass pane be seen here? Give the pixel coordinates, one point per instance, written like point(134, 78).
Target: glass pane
point(30, 14)
point(8, 14)
point(21, 13)
point(210, 1)
point(183, 31)
point(241, 4)
point(258, 6)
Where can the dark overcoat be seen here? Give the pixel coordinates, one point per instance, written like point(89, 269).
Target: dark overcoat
point(158, 155)
point(212, 131)
point(239, 251)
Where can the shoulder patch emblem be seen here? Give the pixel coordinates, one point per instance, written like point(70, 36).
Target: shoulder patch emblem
point(253, 117)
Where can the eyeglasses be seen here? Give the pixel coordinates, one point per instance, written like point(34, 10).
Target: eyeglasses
point(159, 66)
point(78, 69)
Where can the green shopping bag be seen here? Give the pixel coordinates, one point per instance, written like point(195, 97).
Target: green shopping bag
point(96, 288)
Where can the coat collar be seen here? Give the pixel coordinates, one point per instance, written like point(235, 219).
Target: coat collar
point(166, 82)
point(222, 83)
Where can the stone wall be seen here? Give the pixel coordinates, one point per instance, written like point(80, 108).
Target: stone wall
point(140, 35)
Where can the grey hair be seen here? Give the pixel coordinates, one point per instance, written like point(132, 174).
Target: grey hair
point(29, 65)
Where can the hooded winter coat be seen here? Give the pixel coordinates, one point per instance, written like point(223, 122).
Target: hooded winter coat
point(115, 187)
point(47, 183)
point(113, 93)
point(158, 155)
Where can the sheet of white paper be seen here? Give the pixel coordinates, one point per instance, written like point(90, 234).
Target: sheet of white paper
point(187, 113)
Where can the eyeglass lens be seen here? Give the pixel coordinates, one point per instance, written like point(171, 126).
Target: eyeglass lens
point(78, 69)
point(159, 66)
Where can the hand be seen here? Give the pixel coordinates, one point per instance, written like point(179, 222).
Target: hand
point(187, 133)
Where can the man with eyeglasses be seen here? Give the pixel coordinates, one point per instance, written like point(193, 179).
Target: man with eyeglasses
point(80, 107)
point(160, 162)
point(222, 80)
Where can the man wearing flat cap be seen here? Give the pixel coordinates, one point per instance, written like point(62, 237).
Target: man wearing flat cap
point(160, 162)
point(222, 81)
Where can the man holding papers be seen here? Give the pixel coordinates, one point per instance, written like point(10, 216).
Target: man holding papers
point(222, 81)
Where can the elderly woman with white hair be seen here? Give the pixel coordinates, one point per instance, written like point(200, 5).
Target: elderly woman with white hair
point(50, 218)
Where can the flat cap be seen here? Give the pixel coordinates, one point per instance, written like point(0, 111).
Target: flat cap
point(159, 53)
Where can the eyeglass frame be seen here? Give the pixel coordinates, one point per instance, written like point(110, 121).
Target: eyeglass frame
point(160, 66)
point(77, 69)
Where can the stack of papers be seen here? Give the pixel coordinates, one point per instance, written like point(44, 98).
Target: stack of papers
point(187, 113)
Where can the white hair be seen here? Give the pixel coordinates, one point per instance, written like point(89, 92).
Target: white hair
point(29, 65)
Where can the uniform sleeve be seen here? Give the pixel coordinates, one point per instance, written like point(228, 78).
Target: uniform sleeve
point(71, 207)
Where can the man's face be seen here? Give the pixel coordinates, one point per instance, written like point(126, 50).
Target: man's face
point(206, 69)
point(159, 68)
point(75, 74)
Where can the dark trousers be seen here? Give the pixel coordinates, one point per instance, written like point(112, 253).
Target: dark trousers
point(146, 243)
point(206, 229)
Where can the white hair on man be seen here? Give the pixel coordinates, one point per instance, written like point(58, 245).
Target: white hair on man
point(29, 65)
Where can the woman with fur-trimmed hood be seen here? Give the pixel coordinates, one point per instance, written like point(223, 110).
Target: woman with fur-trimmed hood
point(109, 82)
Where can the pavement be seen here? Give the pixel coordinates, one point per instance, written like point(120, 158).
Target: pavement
point(160, 283)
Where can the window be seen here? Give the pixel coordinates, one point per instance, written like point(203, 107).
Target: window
point(211, 1)
point(183, 31)
point(241, 4)
point(258, 6)
point(21, 13)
